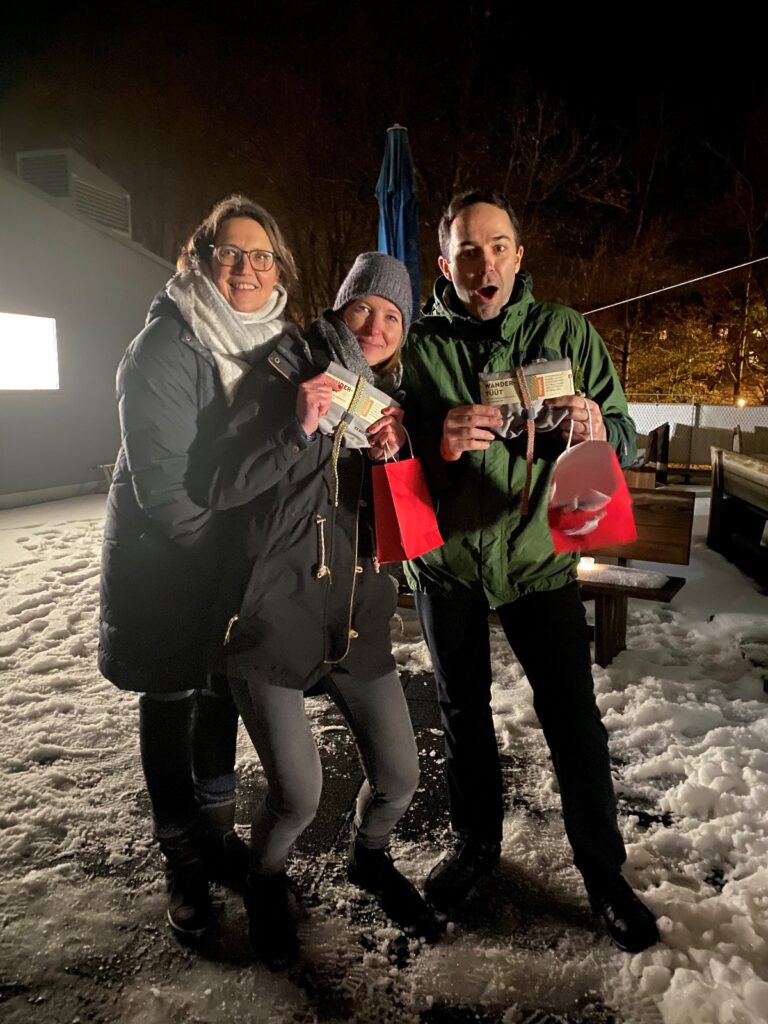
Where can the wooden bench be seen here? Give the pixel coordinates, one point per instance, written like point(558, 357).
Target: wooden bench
point(738, 511)
point(664, 520)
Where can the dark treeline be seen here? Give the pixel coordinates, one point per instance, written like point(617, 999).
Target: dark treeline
point(630, 168)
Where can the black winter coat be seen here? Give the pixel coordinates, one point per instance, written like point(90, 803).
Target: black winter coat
point(161, 557)
point(306, 593)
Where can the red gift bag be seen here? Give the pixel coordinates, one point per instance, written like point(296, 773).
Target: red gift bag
point(406, 524)
point(589, 505)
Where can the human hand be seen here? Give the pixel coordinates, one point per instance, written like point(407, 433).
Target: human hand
point(313, 400)
point(467, 429)
point(580, 411)
point(387, 435)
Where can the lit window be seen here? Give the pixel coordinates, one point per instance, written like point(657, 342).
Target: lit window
point(29, 358)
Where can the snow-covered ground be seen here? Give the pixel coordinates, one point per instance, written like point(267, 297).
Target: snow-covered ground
point(81, 904)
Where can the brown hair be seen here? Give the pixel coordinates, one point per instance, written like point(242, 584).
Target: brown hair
point(461, 202)
point(197, 246)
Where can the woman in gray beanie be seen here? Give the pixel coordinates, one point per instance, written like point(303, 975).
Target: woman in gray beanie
point(315, 607)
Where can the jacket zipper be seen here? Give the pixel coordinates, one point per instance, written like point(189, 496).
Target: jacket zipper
point(354, 569)
point(374, 559)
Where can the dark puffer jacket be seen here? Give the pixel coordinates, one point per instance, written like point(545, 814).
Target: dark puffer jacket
point(161, 554)
point(307, 595)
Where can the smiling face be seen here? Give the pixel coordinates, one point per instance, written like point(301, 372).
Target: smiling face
point(377, 324)
point(245, 289)
point(484, 258)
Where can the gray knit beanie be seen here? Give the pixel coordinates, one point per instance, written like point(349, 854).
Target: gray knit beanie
point(374, 273)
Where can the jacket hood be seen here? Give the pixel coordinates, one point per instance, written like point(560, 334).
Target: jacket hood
point(444, 301)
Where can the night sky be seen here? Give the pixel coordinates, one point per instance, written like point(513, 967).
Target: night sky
point(631, 143)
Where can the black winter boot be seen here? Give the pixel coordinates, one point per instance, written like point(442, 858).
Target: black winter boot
point(373, 869)
point(190, 911)
point(271, 909)
point(225, 855)
point(454, 878)
point(629, 923)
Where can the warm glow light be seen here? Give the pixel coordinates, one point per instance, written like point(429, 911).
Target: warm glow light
point(586, 562)
point(741, 402)
point(29, 359)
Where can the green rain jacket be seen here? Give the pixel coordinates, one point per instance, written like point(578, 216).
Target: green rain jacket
point(491, 551)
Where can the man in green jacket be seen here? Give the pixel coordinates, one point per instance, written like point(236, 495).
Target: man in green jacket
point(491, 493)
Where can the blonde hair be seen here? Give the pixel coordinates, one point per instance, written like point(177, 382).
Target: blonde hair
point(391, 363)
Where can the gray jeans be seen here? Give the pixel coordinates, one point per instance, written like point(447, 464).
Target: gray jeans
point(378, 717)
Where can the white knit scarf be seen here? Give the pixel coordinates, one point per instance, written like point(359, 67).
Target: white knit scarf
point(236, 340)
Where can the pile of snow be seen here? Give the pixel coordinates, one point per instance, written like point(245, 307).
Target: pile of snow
point(685, 710)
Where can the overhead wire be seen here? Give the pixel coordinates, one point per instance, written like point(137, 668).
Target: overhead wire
point(670, 287)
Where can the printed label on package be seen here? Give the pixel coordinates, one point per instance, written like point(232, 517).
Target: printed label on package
point(545, 379)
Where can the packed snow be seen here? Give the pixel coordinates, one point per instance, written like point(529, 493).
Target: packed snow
point(81, 900)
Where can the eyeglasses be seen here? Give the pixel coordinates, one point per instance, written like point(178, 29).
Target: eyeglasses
point(230, 256)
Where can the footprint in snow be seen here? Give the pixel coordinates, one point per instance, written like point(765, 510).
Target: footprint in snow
point(48, 665)
point(81, 563)
point(39, 612)
point(63, 684)
point(30, 602)
point(81, 577)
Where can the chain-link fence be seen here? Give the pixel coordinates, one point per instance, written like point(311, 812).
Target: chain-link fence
point(694, 428)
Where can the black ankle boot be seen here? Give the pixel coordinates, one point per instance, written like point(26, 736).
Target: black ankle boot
point(190, 911)
point(630, 924)
point(454, 878)
point(373, 870)
point(271, 909)
point(225, 855)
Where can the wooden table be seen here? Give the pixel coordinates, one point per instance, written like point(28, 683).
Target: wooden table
point(611, 609)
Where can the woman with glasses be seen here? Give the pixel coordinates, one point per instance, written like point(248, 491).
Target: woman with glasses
point(314, 605)
point(217, 318)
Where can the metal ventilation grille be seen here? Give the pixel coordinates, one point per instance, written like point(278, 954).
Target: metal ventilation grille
point(105, 208)
point(48, 172)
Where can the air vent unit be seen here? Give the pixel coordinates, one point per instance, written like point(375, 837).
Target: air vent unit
point(78, 186)
point(49, 173)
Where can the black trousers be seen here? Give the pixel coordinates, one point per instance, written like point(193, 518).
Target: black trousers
point(548, 633)
point(188, 745)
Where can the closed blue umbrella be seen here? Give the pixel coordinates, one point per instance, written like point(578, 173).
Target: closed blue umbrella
point(398, 207)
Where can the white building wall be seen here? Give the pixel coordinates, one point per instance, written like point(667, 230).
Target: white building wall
point(98, 287)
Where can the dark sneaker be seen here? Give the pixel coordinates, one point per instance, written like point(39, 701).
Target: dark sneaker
point(456, 876)
point(271, 908)
point(190, 911)
point(400, 900)
point(630, 924)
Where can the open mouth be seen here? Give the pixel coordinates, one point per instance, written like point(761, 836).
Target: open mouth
point(487, 292)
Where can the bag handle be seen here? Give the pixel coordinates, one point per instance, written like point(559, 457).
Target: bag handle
point(589, 417)
point(389, 454)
